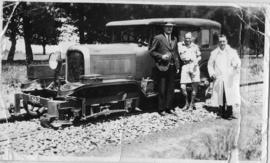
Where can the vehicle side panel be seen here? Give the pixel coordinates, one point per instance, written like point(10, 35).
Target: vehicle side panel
point(144, 64)
point(113, 66)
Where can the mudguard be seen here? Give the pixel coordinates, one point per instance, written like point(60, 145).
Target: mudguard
point(111, 90)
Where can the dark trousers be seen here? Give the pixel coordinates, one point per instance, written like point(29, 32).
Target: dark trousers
point(226, 110)
point(165, 87)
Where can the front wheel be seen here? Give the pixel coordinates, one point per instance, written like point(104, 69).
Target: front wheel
point(33, 110)
point(46, 121)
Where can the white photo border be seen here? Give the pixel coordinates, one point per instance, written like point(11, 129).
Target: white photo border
point(266, 102)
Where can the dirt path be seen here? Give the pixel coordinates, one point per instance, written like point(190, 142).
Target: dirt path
point(196, 139)
point(171, 143)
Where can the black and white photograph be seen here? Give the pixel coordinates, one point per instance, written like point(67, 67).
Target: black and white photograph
point(138, 81)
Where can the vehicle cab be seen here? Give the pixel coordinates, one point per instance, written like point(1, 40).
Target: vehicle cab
point(204, 31)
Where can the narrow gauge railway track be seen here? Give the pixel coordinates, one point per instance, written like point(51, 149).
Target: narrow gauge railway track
point(99, 134)
point(251, 83)
point(19, 136)
point(14, 120)
point(23, 134)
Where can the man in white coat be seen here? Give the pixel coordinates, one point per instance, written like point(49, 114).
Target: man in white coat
point(224, 68)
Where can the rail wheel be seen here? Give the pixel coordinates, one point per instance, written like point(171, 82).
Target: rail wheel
point(67, 116)
point(46, 121)
point(34, 110)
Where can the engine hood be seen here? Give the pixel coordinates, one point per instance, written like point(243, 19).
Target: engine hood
point(108, 49)
point(116, 60)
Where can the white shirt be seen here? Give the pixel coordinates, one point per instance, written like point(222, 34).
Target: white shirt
point(168, 37)
point(187, 53)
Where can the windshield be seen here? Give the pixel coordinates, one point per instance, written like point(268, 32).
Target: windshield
point(200, 37)
point(144, 34)
point(130, 34)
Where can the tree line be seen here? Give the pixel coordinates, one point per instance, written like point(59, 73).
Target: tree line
point(40, 22)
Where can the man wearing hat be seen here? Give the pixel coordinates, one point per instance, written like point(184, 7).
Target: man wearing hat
point(164, 51)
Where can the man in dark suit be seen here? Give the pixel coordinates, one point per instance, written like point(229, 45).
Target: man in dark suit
point(164, 51)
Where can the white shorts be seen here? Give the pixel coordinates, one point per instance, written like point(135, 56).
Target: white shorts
point(190, 73)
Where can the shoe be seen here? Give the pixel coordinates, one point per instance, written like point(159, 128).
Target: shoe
point(138, 109)
point(191, 108)
point(185, 107)
point(162, 113)
point(232, 117)
point(172, 112)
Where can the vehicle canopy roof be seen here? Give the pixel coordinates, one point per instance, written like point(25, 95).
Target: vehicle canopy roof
point(181, 22)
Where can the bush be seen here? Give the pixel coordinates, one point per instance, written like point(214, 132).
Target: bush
point(212, 146)
point(13, 74)
point(252, 150)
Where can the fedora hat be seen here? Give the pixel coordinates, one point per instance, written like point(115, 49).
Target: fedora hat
point(168, 24)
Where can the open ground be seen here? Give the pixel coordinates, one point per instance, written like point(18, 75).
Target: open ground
point(207, 137)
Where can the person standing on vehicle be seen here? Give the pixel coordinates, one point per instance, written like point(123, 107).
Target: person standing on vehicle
point(224, 69)
point(190, 55)
point(163, 49)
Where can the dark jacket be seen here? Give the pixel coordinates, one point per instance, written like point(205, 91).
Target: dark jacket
point(160, 46)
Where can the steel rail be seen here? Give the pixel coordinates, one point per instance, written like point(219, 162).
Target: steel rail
point(251, 83)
